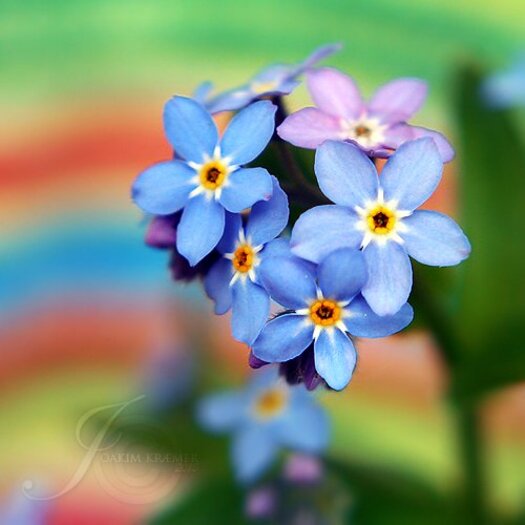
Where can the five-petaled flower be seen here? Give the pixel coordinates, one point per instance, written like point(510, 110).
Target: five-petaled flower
point(323, 305)
point(265, 416)
point(378, 128)
point(207, 178)
point(378, 215)
point(277, 79)
point(233, 282)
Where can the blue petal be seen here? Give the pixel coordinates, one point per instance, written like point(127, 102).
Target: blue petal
point(163, 188)
point(412, 173)
point(342, 274)
point(435, 239)
point(190, 129)
point(305, 427)
point(261, 380)
point(217, 285)
point(274, 73)
point(319, 54)
point(286, 87)
point(277, 248)
point(253, 451)
point(250, 310)
point(232, 228)
point(200, 228)
point(335, 358)
point(288, 281)
point(345, 174)
point(268, 218)
point(201, 92)
point(363, 322)
point(283, 338)
point(221, 412)
point(245, 187)
point(389, 277)
point(231, 100)
point(249, 132)
point(324, 229)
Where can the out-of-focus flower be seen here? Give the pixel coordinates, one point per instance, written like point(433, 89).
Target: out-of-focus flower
point(506, 88)
point(21, 510)
point(303, 469)
point(323, 307)
point(377, 215)
point(206, 178)
point(162, 234)
point(264, 417)
point(277, 79)
point(261, 502)
point(233, 282)
point(378, 127)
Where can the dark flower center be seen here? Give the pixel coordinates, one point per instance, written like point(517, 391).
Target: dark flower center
point(381, 220)
point(212, 175)
point(325, 312)
point(363, 131)
point(243, 259)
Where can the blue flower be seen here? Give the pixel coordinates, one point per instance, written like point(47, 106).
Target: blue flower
point(264, 417)
point(277, 79)
point(323, 306)
point(233, 281)
point(506, 88)
point(379, 216)
point(206, 178)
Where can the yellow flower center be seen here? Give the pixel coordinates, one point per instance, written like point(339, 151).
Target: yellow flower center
point(381, 220)
point(271, 402)
point(243, 258)
point(325, 312)
point(213, 174)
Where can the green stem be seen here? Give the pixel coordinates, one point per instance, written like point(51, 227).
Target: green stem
point(471, 443)
point(469, 431)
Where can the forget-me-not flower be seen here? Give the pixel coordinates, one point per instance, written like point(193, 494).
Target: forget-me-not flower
point(264, 417)
point(277, 79)
point(378, 215)
point(207, 178)
point(377, 127)
point(323, 306)
point(233, 282)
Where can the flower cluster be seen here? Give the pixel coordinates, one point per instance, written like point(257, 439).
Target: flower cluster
point(302, 286)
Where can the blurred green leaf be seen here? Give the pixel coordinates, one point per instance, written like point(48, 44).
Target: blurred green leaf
point(492, 302)
point(387, 497)
point(215, 501)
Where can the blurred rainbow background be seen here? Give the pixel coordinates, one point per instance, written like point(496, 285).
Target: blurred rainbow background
point(84, 304)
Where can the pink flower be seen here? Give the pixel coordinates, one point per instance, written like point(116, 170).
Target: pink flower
point(377, 127)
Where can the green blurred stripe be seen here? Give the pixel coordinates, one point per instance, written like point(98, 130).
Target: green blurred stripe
point(58, 45)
